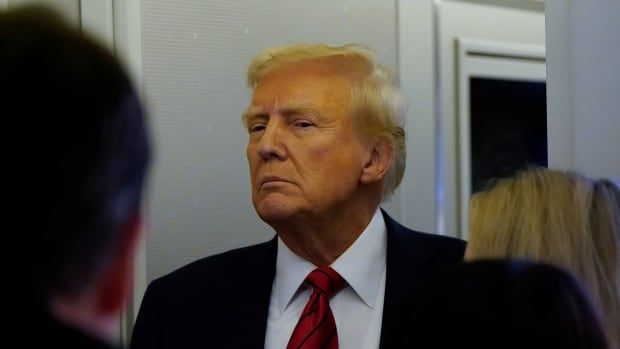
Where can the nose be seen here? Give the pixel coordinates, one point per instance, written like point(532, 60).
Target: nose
point(271, 145)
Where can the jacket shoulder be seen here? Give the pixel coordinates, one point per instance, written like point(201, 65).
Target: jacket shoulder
point(226, 264)
point(197, 304)
point(404, 236)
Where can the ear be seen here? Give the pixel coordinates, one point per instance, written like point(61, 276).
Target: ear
point(379, 161)
point(116, 281)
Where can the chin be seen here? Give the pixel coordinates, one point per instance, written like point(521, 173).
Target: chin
point(273, 211)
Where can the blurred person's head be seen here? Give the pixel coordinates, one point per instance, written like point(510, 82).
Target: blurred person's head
point(502, 304)
point(560, 218)
point(79, 162)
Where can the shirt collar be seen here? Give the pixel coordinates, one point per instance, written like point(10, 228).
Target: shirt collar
point(361, 265)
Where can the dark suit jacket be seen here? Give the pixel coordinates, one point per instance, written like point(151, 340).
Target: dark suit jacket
point(222, 301)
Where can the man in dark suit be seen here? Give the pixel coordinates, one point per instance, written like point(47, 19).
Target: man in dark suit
point(77, 166)
point(326, 146)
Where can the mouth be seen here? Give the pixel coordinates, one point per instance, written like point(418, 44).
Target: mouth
point(273, 179)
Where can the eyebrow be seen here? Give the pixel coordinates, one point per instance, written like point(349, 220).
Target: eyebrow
point(252, 112)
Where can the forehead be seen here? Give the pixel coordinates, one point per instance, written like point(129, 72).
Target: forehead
point(320, 82)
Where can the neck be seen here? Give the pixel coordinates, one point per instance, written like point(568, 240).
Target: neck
point(322, 238)
point(82, 315)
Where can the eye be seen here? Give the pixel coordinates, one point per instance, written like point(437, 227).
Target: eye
point(303, 124)
point(256, 128)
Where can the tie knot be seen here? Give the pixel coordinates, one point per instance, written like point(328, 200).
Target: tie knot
point(326, 280)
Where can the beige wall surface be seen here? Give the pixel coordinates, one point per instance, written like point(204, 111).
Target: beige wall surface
point(70, 9)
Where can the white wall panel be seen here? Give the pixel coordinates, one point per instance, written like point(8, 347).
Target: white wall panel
point(475, 21)
point(416, 47)
point(69, 9)
point(583, 84)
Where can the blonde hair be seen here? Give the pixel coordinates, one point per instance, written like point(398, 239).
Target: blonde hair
point(558, 217)
point(376, 100)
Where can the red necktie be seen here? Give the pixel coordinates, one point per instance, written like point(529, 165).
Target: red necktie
point(316, 327)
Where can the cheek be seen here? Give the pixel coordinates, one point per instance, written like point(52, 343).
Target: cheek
point(338, 165)
point(253, 163)
point(323, 161)
point(251, 152)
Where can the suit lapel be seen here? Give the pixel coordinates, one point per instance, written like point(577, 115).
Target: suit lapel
point(407, 260)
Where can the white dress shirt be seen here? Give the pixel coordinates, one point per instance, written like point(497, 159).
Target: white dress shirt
point(357, 309)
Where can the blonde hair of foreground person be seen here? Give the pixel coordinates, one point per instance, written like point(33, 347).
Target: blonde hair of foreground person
point(376, 101)
point(558, 217)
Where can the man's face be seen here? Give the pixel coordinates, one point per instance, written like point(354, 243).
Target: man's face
point(305, 154)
